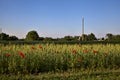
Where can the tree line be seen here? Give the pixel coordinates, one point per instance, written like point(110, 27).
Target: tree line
point(33, 36)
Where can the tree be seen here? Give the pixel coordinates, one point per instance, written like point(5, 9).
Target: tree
point(109, 36)
point(68, 38)
point(84, 37)
point(91, 37)
point(13, 38)
point(41, 38)
point(116, 38)
point(4, 36)
point(76, 38)
point(48, 39)
point(32, 36)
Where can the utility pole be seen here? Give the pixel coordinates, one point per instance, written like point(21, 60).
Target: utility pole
point(82, 28)
point(82, 25)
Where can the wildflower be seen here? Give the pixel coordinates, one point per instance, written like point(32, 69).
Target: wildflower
point(33, 47)
point(94, 51)
point(74, 51)
point(8, 54)
point(21, 54)
point(85, 51)
point(40, 47)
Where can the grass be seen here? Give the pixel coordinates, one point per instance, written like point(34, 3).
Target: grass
point(60, 62)
point(67, 75)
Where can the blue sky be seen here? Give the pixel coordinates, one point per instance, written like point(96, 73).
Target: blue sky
point(58, 18)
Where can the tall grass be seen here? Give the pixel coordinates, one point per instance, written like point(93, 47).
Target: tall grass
point(38, 58)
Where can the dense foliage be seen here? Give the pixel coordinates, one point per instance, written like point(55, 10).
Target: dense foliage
point(32, 36)
point(4, 36)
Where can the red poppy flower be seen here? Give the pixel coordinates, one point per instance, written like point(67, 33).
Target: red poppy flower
point(85, 51)
point(8, 54)
point(40, 47)
point(94, 51)
point(21, 54)
point(33, 47)
point(74, 51)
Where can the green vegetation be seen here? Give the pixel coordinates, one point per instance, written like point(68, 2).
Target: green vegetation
point(87, 62)
point(4, 36)
point(34, 36)
point(68, 75)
